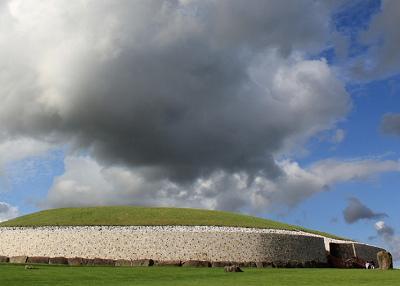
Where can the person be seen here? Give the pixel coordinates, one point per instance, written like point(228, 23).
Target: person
point(367, 264)
point(372, 265)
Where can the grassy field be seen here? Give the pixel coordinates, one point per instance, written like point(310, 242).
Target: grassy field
point(146, 216)
point(13, 274)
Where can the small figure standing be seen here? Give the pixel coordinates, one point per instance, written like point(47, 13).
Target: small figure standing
point(367, 264)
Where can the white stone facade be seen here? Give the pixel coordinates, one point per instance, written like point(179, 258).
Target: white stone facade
point(166, 243)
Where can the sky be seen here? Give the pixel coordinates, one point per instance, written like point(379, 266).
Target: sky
point(286, 110)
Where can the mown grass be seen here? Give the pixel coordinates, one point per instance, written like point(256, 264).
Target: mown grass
point(146, 216)
point(14, 274)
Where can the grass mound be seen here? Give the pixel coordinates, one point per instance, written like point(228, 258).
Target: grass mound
point(145, 216)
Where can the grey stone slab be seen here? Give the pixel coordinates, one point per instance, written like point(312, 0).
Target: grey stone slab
point(169, 263)
point(58, 260)
point(123, 262)
point(196, 263)
point(221, 263)
point(38, 259)
point(18, 259)
point(75, 261)
point(143, 262)
point(265, 264)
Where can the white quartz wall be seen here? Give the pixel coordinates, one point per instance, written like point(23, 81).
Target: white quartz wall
point(163, 243)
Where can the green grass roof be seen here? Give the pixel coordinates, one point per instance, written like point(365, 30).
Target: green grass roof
point(145, 216)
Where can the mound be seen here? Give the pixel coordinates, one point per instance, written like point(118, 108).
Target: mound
point(146, 216)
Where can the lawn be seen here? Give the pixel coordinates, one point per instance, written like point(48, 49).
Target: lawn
point(14, 274)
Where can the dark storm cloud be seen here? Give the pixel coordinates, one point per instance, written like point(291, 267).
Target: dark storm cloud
point(356, 211)
point(390, 124)
point(184, 87)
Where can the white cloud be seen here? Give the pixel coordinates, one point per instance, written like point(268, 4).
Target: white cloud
point(387, 234)
point(334, 171)
point(14, 150)
point(17, 149)
point(338, 136)
point(7, 211)
point(85, 183)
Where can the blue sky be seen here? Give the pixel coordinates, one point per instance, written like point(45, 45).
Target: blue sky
point(285, 111)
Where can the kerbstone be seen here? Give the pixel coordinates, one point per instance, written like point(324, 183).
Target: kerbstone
point(58, 260)
point(143, 262)
point(123, 262)
point(38, 259)
point(196, 263)
point(168, 263)
point(18, 259)
point(221, 263)
point(74, 261)
point(265, 264)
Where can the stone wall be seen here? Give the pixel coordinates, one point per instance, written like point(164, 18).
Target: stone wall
point(367, 252)
point(166, 243)
point(345, 250)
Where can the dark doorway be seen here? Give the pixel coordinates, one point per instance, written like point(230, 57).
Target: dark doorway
point(343, 251)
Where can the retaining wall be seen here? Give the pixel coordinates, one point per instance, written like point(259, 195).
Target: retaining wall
point(167, 243)
point(367, 252)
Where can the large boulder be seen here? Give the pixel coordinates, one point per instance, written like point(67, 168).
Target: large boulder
point(281, 264)
point(38, 259)
point(265, 264)
point(385, 260)
point(123, 262)
point(233, 268)
point(89, 261)
point(58, 260)
point(98, 261)
point(30, 267)
point(245, 264)
point(196, 263)
point(18, 259)
point(168, 263)
point(104, 262)
point(142, 262)
point(220, 263)
point(76, 261)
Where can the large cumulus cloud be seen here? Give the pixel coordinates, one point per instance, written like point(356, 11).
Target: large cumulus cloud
point(193, 99)
point(86, 183)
